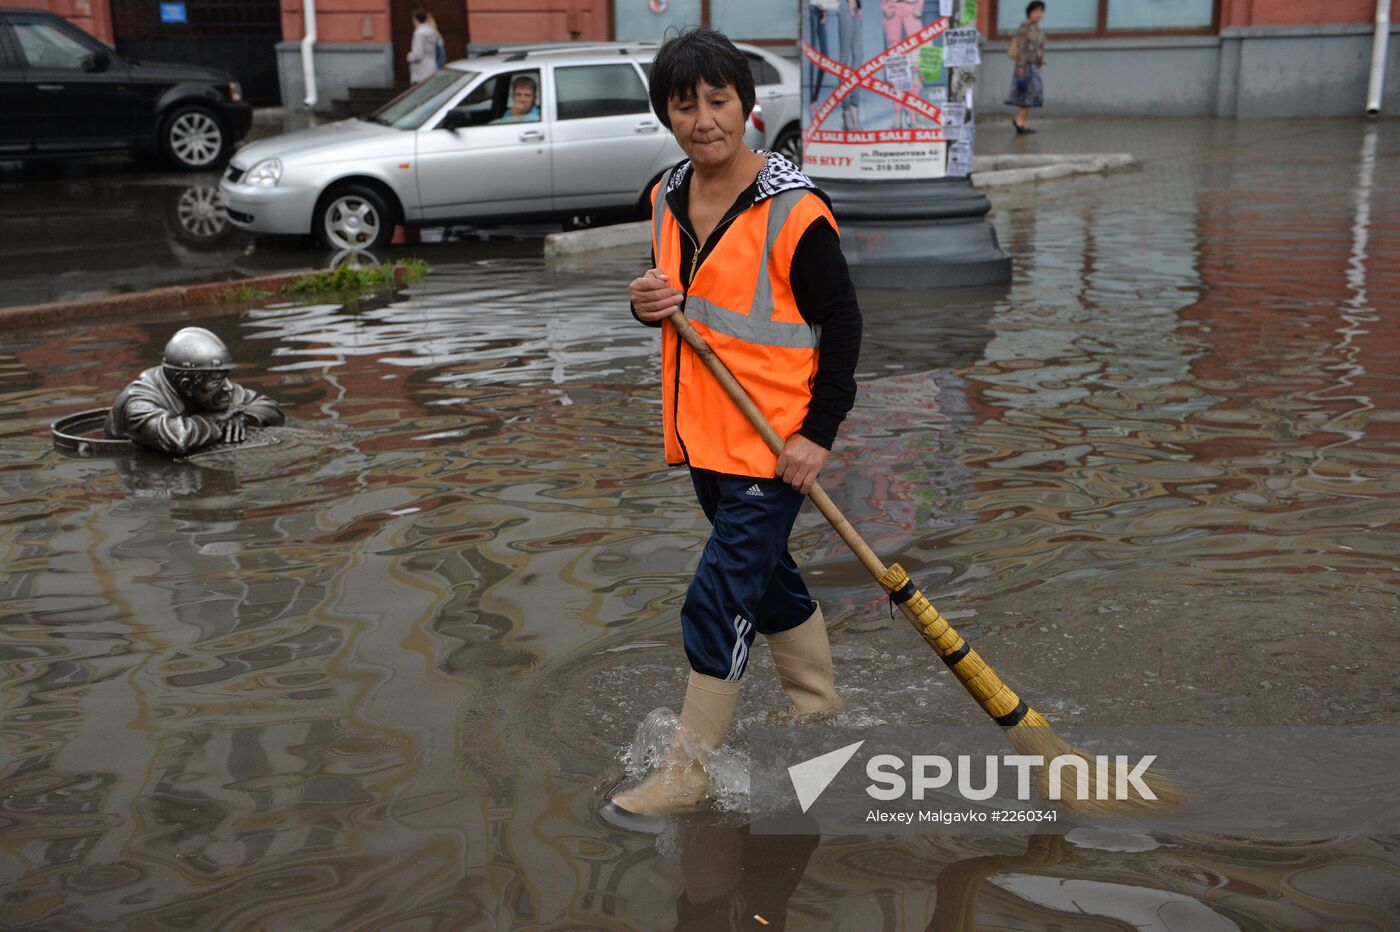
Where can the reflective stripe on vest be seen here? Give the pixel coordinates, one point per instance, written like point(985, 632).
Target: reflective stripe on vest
point(757, 326)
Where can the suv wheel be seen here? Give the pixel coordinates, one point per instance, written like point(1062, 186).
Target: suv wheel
point(789, 145)
point(193, 139)
point(354, 217)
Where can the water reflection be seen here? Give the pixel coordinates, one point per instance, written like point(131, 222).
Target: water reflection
point(88, 235)
point(388, 684)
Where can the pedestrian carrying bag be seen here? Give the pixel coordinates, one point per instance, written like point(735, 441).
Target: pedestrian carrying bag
point(1013, 51)
point(441, 51)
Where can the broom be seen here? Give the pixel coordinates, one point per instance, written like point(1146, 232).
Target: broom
point(1027, 730)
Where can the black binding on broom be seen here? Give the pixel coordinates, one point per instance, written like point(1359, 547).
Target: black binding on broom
point(904, 593)
point(1014, 716)
point(952, 659)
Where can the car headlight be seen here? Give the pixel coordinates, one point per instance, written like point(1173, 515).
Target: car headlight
point(265, 174)
point(235, 91)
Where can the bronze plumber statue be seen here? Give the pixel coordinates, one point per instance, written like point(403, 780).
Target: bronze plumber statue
point(187, 402)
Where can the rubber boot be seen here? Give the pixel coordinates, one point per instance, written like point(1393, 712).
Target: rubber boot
point(681, 783)
point(803, 658)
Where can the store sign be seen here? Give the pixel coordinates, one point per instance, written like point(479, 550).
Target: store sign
point(881, 116)
point(173, 13)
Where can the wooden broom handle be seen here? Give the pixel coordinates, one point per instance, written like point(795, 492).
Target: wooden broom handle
point(775, 443)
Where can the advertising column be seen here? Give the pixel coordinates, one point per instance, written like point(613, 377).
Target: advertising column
point(888, 129)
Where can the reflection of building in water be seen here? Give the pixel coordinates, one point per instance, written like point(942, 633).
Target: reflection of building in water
point(897, 470)
point(1291, 273)
point(1078, 388)
point(327, 676)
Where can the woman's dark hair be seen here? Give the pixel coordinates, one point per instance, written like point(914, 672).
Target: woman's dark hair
point(1033, 6)
point(700, 54)
point(420, 15)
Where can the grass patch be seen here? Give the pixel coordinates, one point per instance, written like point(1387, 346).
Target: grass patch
point(245, 294)
point(346, 278)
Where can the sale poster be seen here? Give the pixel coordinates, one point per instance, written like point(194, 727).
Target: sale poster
point(876, 79)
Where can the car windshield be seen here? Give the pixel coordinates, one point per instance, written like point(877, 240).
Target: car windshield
point(414, 106)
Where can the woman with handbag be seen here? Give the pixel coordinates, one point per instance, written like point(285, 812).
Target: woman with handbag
point(426, 53)
point(1028, 49)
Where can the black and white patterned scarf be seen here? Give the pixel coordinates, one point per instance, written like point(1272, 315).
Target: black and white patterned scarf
point(779, 175)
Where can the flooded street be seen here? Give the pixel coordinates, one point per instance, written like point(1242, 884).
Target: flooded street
point(382, 678)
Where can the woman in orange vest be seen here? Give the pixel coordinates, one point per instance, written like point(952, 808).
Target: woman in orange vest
point(747, 246)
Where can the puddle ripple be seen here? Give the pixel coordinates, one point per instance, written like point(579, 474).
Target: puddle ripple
point(386, 685)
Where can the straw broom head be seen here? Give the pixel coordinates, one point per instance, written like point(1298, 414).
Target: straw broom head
point(1026, 729)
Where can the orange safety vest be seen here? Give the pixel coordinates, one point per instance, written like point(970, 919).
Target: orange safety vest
point(740, 300)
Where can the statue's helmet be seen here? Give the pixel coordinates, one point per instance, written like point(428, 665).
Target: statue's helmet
point(195, 349)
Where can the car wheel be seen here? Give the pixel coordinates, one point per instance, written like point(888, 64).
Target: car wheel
point(193, 139)
point(354, 217)
point(789, 145)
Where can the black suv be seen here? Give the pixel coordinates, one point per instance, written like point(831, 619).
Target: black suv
point(62, 92)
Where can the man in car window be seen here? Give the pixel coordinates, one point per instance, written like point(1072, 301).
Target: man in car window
point(524, 102)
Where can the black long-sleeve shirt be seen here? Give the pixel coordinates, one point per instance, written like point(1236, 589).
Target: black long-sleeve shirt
point(826, 297)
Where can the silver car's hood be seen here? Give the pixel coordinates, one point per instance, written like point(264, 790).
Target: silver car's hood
point(327, 142)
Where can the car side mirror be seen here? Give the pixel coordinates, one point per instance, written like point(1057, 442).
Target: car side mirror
point(455, 120)
point(97, 61)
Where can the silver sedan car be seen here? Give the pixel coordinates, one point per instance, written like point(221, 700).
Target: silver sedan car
point(528, 133)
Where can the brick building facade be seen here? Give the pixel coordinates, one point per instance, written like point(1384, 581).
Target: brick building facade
point(1145, 57)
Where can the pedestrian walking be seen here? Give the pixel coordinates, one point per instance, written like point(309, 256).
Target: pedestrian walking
point(426, 53)
point(1028, 49)
point(748, 247)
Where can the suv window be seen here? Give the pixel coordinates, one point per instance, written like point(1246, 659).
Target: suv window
point(762, 71)
point(599, 91)
point(47, 46)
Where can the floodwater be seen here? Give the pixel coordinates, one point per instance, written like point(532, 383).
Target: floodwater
point(382, 680)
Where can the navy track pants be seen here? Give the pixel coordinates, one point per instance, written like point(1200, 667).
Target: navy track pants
point(746, 582)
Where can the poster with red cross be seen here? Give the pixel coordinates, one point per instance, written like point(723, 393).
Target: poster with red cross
point(875, 84)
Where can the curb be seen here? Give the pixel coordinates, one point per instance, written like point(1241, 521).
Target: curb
point(136, 302)
point(574, 242)
point(1043, 168)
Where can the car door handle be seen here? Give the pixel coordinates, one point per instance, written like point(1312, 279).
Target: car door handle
point(646, 126)
point(769, 95)
point(48, 87)
point(532, 135)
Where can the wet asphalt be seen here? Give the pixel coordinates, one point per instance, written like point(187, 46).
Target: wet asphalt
point(383, 675)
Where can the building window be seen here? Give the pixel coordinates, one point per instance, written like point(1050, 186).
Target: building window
point(766, 21)
point(1111, 17)
point(1160, 14)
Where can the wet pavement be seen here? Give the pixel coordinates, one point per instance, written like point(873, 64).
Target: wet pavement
point(384, 681)
point(83, 228)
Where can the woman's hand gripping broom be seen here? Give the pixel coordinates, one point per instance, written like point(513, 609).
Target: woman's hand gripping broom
point(1026, 729)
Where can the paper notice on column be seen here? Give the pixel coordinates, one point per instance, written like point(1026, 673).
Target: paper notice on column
point(945, 7)
point(899, 71)
point(960, 48)
point(960, 159)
